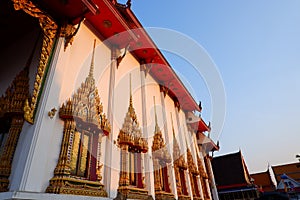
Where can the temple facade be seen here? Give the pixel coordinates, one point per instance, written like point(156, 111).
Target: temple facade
point(90, 108)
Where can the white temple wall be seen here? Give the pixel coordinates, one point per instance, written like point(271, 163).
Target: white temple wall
point(185, 142)
point(128, 66)
point(32, 152)
point(41, 142)
point(171, 110)
point(152, 90)
point(14, 59)
point(68, 70)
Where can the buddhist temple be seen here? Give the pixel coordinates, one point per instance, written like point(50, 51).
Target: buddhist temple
point(290, 169)
point(91, 109)
point(288, 179)
point(232, 177)
point(263, 181)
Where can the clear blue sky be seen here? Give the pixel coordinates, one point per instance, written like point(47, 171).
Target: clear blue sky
point(256, 46)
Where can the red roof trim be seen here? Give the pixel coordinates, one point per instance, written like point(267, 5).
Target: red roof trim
point(120, 18)
point(173, 75)
point(231, 186)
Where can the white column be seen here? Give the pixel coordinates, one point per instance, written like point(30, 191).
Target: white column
point(183, 137)
point(213, 187)
point(188, 183)
point(171, 172)
point(181, 133)
point(148, 163)
point(31, 170)
point(109, 140)
point(200, 187)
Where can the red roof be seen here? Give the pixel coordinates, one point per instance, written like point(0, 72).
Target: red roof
point(263, 180)
point(230, 171)
point(118, 23)
point(292, 170)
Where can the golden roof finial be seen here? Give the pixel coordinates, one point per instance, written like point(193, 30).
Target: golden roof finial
point(91, 73)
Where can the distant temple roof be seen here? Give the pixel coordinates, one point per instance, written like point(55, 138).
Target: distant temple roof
point(288, 184)
point(230, 171)
point(263, 180)
point(292, 170)
point(110, 19)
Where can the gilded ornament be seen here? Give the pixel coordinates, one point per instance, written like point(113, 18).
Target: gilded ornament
point(203, 177)
point(11, 107)
point(193, 172)
point(50, 29)
point(161, 158)
point(52, 112)
point(180, 167)
point(68, 31)
point(132, 144)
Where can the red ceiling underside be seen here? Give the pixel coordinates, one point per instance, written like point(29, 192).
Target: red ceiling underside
point(200, 126)
point(111, 23)
point(207, 143)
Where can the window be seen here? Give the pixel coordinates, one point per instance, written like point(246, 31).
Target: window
point(81, 154)
point(182, 181)
point(135, 168)
point(164, 177)
point(196, 185)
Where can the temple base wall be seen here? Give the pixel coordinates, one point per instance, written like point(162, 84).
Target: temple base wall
point(45, 196)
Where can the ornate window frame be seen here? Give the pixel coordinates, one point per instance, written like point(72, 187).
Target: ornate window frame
point(180, 168)
point(11, 109)
point(83, 112)
point(51, 31)
point(161, 163)
point(132, 144)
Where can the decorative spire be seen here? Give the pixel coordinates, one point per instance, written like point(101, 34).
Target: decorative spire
point(172, 126)
point(130, 92)
point(131, 110)
point(159, 149)
point(85, 103)
point(91, 73)
point(156, 124)
point(131, 134)
point(186, 143)
point(177, 156)
point(176, 149)
point(18, 91)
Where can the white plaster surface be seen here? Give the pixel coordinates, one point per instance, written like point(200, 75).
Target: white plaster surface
point(39, 145)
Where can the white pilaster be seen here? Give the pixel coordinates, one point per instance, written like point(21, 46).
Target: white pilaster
point(181, 132)
point(31, 157)
point(183, 138)
point(148, 162)
point(171, 172)
point(200, 187)
point(109, 140)
point(214, 191)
